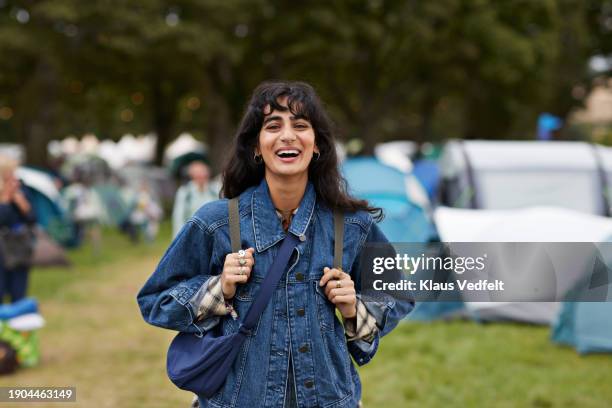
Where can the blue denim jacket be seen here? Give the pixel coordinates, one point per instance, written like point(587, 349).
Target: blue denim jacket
point(299, 319)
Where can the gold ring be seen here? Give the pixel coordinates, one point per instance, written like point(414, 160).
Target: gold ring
point(338, 284)
point(242, 262)
point(242, 270)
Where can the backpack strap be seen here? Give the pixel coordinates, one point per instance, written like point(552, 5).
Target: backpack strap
point(234, 224)
point(338, 238)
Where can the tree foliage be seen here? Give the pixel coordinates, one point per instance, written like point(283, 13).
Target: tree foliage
point(387, 69)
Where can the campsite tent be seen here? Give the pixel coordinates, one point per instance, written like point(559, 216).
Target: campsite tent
point(585, 325)
point(389, 188)
point(183, 151)
point(499, 175)
point(46, 202)
point(536, 224)
point(427, 172)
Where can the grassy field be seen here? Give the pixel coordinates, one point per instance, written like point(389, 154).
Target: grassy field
point(96, 341)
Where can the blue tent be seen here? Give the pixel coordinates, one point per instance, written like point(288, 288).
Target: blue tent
point(385, 187)
point(588, 325)
point(427, 171)
point(45, 200)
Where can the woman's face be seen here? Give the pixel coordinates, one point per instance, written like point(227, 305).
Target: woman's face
point(8, 183)
point(286, 143)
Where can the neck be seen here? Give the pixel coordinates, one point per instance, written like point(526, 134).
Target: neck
point(287, 192)
point(199, 186)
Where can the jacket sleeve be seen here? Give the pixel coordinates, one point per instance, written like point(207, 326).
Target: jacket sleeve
point(165, 299)
point(386, 309)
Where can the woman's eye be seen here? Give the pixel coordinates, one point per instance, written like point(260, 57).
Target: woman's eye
point(272, 127)
point(301, 126)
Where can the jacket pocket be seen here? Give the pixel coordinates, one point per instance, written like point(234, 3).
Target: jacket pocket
point(242, 301)
point(326, 309)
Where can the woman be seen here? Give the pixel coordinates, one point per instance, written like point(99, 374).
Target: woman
point(284, 168)
point(16, 218)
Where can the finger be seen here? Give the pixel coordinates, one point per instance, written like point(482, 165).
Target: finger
point(329, 273)
point(247, 262)
point(340, 292)
point(248, 254)
point(237, 270)
point(241, 270)
point(334, 284)
point(237, 278)
point(345, 276)
point(344, 299)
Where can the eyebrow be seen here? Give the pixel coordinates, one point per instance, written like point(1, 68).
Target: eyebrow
point(276, 117)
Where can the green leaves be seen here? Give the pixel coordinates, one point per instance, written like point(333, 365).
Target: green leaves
point(386, 69)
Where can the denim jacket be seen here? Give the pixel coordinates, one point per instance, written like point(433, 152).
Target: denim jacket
point(299, 320)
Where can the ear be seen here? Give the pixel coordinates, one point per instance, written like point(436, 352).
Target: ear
point(316, 149)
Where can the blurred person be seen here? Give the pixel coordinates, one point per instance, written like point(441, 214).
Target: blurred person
point(146, 213)
point(284, 170)
point(192, 195)
point(85, 209)
point(16, 237)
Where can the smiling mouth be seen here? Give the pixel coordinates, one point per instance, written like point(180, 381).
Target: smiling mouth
point(288, 154)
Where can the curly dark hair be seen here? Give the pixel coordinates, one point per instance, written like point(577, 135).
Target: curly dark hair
point(242, 171)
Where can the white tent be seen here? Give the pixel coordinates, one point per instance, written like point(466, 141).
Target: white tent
point(537, 224)
point(14, 151)
point(183, 144)
point(499, 175)
point(38, 180)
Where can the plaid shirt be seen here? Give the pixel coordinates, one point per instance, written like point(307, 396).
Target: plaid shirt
point(363, 326)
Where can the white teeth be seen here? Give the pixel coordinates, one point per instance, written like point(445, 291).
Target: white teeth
point(288, 153)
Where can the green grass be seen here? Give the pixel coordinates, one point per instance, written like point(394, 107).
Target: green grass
point(96, 340)
point(471, 365)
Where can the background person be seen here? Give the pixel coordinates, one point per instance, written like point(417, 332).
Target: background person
point(16, 221)
point(192, 195)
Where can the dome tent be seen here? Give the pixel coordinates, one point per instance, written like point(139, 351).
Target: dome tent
point(529, 225)
point(406, 219)
point(46, 202)
point(586, 325)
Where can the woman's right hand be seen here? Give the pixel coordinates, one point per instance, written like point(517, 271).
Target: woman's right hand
point(235, 273)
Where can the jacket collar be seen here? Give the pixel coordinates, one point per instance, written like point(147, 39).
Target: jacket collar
point(266, 224)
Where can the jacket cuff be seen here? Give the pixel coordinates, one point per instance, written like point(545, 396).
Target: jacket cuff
point(208, 303)
point(363, 326)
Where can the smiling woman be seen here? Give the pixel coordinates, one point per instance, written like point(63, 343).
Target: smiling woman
point(288, 115)
point(283, 169)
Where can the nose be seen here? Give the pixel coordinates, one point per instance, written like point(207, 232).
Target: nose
point(287, 136)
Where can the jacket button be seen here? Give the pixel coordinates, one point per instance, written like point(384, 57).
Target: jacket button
point(301, 312)
point(302, 237)
point(299, 276)
point(304, 348)
point(309, 384)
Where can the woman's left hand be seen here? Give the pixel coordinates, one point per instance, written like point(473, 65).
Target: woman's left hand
point(340, 290)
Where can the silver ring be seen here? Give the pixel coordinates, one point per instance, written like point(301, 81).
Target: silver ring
point(241, 253)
